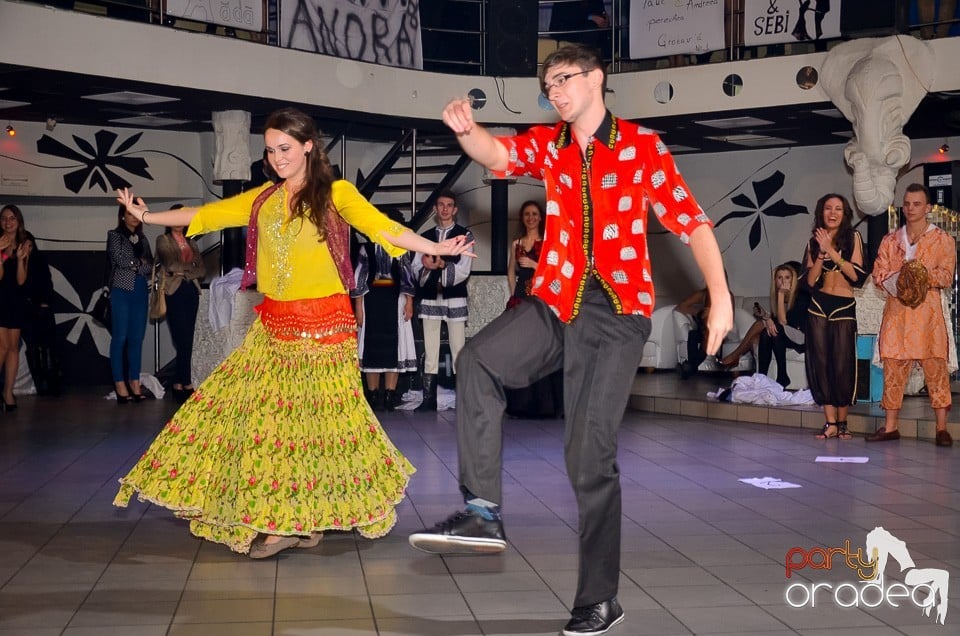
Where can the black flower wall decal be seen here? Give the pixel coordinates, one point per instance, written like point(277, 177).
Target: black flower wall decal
point(763, 190)
point(97, 161)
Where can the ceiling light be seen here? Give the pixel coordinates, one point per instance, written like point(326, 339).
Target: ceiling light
point(11, 131)
point(734, 122)
point(944, 149)
point(151, 121)
point(753, 141)
point(51, 123)
point(131, 98)
point(10, 103)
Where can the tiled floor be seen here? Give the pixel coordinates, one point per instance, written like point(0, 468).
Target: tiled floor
point(702, 552)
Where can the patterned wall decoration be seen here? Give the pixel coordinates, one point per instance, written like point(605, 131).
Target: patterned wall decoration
point(100, 160)
point(84, 345)
point(763, 190)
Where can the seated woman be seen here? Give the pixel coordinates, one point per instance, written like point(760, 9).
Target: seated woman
point(697, 307)
point(781, 329)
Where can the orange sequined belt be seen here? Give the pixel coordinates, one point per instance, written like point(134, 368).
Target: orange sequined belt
point(329, 320)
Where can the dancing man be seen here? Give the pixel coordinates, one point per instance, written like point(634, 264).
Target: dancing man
point(590, 315)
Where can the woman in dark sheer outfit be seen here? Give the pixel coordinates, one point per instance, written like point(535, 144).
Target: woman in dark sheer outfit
point(833, 266)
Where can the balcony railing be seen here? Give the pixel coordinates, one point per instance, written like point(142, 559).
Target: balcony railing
point(455, 33)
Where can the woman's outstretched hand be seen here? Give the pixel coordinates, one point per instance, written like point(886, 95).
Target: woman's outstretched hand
point(455, 246)
point(136, 206)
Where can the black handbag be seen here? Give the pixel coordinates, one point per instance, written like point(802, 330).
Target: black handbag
point(101, 312)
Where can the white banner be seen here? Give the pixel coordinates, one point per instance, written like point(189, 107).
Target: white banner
point(776, 21)
point(240, 14)
point(384, 32)
point(671, 27)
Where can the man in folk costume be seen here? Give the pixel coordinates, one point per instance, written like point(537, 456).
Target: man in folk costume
point(443, 295)
point(914, 263)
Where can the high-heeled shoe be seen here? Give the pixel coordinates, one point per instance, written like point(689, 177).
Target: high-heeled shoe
point(124, 399)
point(138, 397)
point(9, 407)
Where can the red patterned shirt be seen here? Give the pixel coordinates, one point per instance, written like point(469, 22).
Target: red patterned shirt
point(597, 210)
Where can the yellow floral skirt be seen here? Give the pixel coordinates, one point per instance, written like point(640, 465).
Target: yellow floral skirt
point(278, 439)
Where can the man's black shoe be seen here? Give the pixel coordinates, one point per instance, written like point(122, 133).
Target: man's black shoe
point(462, 532)
point(593, 620)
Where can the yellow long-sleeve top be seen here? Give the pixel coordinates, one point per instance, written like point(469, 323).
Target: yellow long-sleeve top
point(292, 264)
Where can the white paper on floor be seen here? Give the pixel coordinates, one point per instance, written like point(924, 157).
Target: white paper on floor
point(768, 483)
point(841, 460)
point(446, 400)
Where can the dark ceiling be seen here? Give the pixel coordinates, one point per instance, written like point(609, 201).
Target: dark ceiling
point(59, 95)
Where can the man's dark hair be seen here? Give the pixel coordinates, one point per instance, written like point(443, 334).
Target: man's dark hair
point(919, 187)
point(586, 58)
point(448, 194)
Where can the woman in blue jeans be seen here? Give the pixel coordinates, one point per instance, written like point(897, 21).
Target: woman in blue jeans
point(131, 262)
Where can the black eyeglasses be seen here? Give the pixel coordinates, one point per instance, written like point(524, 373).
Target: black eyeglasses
point(560, 81)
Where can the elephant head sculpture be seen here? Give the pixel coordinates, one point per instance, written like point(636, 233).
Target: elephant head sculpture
point(877, 83)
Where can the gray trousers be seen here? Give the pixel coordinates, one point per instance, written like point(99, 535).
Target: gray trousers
point(599, 352)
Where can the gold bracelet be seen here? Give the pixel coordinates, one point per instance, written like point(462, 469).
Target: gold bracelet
point(841, 262)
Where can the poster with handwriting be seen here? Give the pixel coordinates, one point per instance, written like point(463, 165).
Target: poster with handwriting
point(383, 32)
point(672, 27)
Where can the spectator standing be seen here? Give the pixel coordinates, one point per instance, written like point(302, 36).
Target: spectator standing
point(443, 295)
point(180, 268)
point(543, 398)
point(833, 266)
point(15, 249)
point(131, 263)
point(40, 333)
point(913, 265)
point(383, 304)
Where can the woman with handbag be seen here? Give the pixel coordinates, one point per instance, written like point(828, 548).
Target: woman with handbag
point(180, 268)
point(278, 443)
point(131, 262)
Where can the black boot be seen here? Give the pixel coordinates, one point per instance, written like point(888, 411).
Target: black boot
point(429, 393)
point(377, 397)
point(390, 400)
point(371, 395)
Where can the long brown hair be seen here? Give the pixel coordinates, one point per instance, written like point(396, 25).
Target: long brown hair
point(21, 230)
point(522, 228)
point(313, 201)
point(843, 239)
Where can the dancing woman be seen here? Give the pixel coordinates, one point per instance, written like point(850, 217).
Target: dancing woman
point(279, 441)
